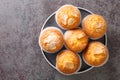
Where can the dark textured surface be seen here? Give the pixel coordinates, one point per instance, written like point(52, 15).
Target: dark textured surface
point(20, 24)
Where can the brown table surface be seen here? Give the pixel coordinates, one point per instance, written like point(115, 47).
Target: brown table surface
point(20, 24)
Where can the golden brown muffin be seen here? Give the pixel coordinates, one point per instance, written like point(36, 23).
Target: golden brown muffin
point(96, 54)
point(51, 39)
point(68, 62)
point(68, 17)
point(94, 26)
point(75, 40)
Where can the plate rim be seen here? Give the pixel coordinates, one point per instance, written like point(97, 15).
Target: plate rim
point(43, 52)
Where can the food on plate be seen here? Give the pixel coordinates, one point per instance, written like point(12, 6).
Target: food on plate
point(75, 40)
point(68, 62)
point(94, 26)
point(68, 17)
point(96, 54)
point(51, 39)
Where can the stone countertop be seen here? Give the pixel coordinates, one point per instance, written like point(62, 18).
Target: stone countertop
point(20, 24)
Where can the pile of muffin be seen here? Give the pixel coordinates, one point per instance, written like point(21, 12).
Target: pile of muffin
point(75, 39)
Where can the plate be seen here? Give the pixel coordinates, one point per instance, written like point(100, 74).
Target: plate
point(51, 58)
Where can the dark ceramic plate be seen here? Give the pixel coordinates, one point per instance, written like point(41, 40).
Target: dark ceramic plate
point(51, 58)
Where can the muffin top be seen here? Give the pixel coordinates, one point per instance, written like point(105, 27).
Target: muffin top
point(96, 54)
point(75, 40)
point(51, 39)
point(68, 17)
point(94, 26)
point(68, 62)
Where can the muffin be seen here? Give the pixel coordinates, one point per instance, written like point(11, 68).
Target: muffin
point(68, 62)
point(51, 39)
point(75, 40)
point(94, 26)
point(96, 54)
point(68, 17)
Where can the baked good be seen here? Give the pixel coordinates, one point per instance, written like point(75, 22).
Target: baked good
point(94, 26)
point(75, 40)
point(96, 54)
point(68, 62)
point(68, 17)
point(51, 39)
